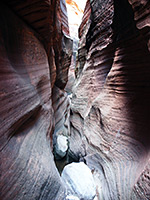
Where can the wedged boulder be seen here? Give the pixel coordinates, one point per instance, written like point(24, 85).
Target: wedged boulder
point(79, 179)
point(71, 197)
point(61, 146)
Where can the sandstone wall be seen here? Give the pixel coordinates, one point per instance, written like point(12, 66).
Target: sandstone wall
point(35, 55)
point(110, 105)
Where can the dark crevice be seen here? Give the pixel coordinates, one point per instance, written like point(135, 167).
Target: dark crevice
point(123, 22)
point(62, 162)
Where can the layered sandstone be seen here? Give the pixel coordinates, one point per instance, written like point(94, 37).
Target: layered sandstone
point(110, 107)
point(108, 124)
point(34, 61)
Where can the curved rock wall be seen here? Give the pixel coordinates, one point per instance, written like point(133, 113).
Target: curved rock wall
point(83, 30)
point(109, 120)
point(110, 105)
point(34, 36)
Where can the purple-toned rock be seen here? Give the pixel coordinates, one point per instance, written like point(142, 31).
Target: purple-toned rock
point(34, 40)
point(110, 105)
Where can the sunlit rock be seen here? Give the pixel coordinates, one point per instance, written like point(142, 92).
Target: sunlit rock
point(75, 10)
point(110, 104)
point(61, 146)
point(79, 180)
point(71, 197)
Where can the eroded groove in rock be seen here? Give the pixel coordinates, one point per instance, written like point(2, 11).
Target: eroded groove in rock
point(31, 33)
point(107, 123)
point(112, 95)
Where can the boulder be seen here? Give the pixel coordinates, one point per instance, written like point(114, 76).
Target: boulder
point(61, 146)
point(79, 180)
point(71, 197)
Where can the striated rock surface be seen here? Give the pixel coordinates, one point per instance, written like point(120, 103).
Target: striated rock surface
point(108, 124)
point(61, 106)
point(35, 56)
point(49, 19)
point(110, 105)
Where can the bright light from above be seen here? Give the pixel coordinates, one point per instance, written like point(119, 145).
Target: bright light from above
point(75, 10)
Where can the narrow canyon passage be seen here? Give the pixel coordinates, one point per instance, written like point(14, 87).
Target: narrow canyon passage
point(62, 132)
point(74, 100)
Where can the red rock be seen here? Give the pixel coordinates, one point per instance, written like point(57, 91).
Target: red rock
point(110, 105)
point(33, 35)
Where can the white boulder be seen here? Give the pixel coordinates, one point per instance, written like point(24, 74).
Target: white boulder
point(79, 179)
point(71, 197)
point(61, 145)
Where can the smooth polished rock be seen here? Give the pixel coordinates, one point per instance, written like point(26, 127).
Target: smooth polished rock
point(32, 42)
point(110, 102)
point(79, 180)
point(61, 146)
point(71, 197)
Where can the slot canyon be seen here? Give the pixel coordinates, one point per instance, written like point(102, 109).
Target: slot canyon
point(74, 100)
